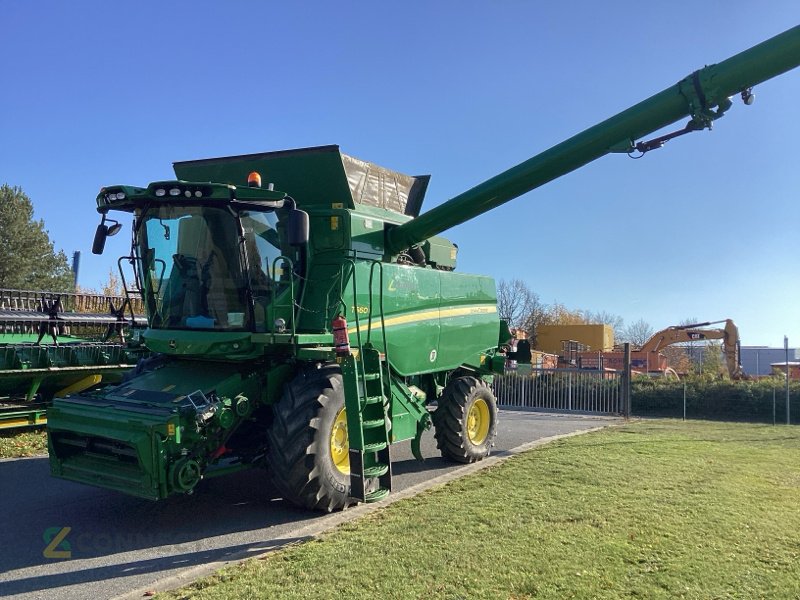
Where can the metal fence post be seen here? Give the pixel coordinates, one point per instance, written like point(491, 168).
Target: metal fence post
point(569, 391)
point(626, 381)
point(786, 349)
point(684, 400)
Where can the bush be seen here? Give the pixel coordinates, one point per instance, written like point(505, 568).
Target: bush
point(715, 399)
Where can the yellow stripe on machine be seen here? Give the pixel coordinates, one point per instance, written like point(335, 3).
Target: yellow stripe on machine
point(81, 385)
point(428, 315)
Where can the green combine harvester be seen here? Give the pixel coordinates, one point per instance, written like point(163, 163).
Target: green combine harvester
point(307, 330)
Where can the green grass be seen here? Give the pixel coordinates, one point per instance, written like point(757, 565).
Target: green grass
point(656, 509)
point(30, 442)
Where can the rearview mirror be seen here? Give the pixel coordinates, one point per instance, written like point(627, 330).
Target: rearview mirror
point(100, 236)
point(298, 227)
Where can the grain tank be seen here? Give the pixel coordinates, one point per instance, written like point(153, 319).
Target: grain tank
point(308, 323)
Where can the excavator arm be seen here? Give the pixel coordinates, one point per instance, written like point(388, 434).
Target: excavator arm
point(692, 333)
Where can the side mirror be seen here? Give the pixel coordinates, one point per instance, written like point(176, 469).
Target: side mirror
point(100, 236)
point(114, 229)
point(298, 227)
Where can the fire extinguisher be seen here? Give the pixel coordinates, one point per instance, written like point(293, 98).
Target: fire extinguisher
point(341, 339)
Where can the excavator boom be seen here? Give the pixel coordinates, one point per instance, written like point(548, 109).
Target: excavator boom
point(678, 334)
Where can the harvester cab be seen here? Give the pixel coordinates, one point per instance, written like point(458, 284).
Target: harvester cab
point(309, 330)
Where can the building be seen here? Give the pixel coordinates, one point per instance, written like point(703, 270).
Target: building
point(758, 360)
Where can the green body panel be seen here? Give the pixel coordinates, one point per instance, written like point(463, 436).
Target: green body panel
point(434, 320)
point(412, 320)
point(231, 346)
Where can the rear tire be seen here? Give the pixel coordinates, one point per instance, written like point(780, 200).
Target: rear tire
point(466, 420)
point(300, 440)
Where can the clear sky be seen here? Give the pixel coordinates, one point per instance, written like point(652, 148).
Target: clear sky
point(99, 93)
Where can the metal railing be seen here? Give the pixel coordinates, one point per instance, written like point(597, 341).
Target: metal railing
point(571, 390)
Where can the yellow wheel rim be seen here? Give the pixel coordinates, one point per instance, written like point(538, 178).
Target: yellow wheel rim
point(340, 447)
point(478, 422)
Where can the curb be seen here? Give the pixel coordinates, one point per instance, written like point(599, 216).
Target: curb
point(329, 522)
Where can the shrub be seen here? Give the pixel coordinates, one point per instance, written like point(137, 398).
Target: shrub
point(715, 399)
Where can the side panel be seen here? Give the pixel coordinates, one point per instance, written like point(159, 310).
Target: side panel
point(411, 300)
point(468, 319)
point(435, 320)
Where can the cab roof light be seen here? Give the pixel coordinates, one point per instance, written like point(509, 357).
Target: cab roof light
point(254, 179)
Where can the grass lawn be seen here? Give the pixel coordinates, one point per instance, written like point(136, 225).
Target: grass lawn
point(654, 509)
point(29, 442)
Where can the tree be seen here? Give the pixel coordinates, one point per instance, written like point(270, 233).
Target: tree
point(712, 363)
point(111, 287)
point(27, 257)
point(637, 333)
point(516, 303)
point(604, 317)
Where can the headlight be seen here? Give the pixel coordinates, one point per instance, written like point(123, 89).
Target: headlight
point(161, 192)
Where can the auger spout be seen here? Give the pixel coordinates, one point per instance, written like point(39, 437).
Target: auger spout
point(703, 96)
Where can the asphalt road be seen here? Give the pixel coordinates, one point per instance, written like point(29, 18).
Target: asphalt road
point(119, 543)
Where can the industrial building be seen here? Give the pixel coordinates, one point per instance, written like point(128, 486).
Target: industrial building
point(758, 360)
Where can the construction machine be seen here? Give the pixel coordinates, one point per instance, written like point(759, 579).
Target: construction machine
point(699, 332)
point(649, 358)
point(308, 322)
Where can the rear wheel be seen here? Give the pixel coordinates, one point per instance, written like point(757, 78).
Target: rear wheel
point(308, 442)
point(466, 420)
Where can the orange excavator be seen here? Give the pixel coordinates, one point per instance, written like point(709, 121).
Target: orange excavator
point(649, 358)
point(696, 332)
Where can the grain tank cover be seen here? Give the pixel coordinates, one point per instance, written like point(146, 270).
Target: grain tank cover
point(321, 175)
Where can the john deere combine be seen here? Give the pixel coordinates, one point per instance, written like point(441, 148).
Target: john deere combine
point(307, 330)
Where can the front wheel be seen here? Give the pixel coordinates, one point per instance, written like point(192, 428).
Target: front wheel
point(466, 420)
point(308, 441)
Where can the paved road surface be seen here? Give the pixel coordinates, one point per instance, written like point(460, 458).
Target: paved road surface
point(119, 543)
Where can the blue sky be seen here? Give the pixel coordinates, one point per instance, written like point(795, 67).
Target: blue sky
point(98, 93)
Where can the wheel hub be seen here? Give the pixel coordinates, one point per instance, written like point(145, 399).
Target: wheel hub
point(340, 446)
point(478, 422)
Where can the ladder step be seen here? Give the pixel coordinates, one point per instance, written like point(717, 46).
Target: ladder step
point(371, 376)
point(374, 447)
point(373, 400)
point(376, 470)
point(373, 423)
point(377, 495)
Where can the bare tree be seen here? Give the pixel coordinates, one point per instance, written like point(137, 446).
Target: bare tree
point(637, 333)
point(606, 318)
point(516, 302)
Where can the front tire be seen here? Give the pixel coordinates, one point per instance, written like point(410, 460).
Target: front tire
point(307, 443)
point(466, 420)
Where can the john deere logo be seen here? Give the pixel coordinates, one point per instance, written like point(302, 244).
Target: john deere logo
point(56, 544)
point(173, 344)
